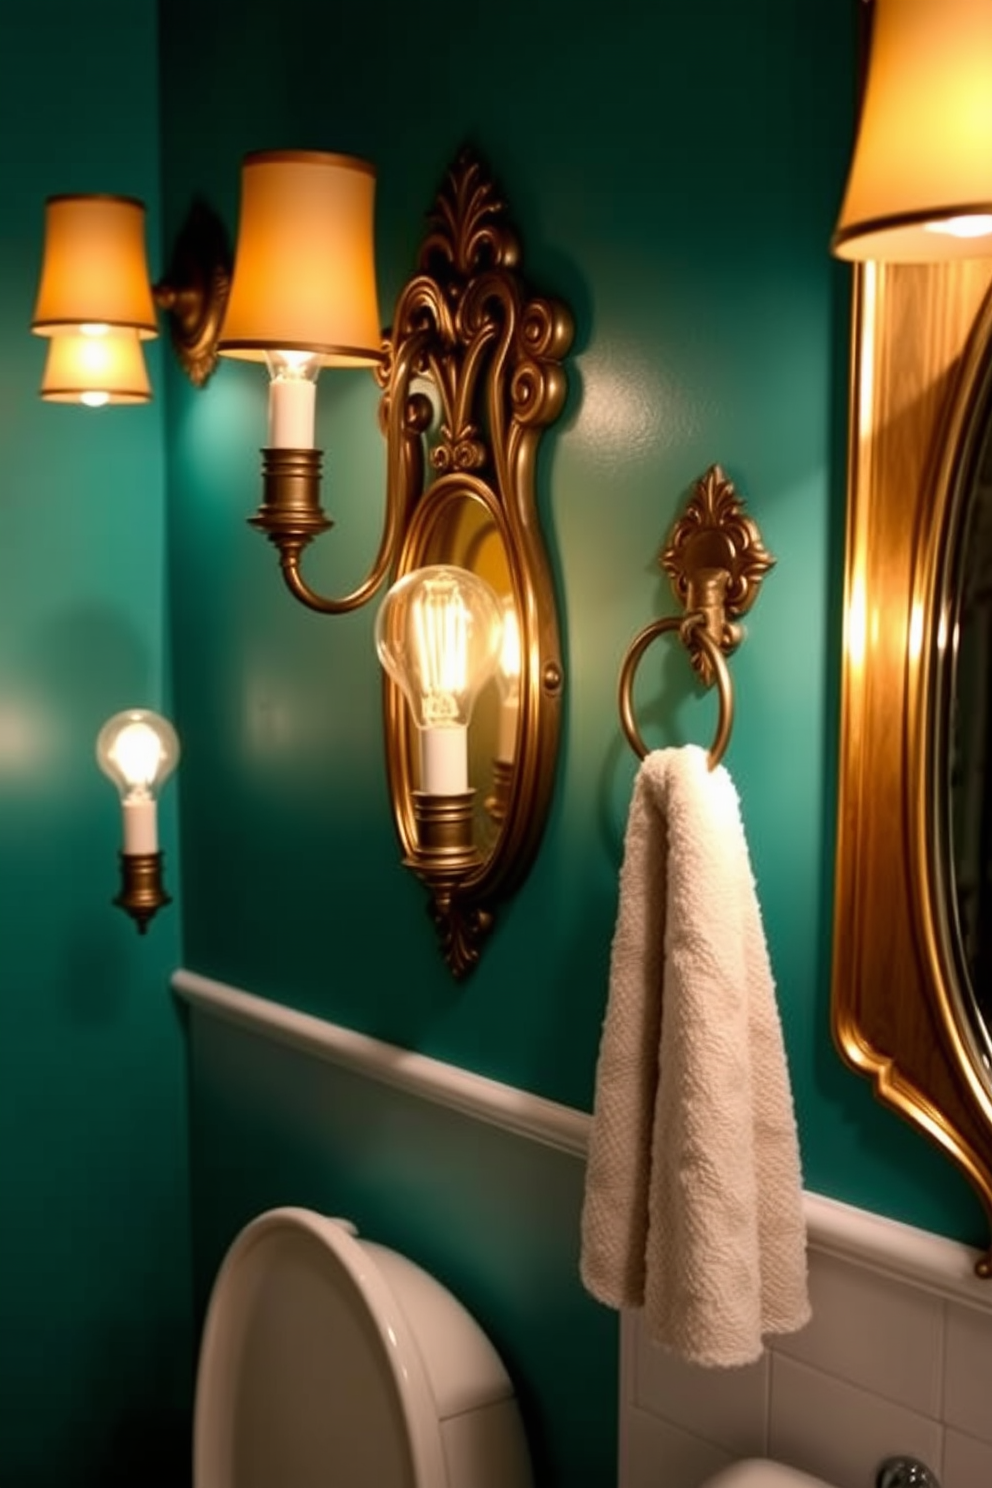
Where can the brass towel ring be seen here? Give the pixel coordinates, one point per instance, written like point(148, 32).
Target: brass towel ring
point(716, 561)
point(693, 624)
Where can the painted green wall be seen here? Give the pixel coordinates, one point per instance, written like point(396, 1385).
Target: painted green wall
point(95, 1315)
point(674, 170)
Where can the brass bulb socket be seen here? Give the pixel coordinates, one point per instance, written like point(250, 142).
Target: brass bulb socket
point(444, 833)
point(290, 508)
point(142, 893)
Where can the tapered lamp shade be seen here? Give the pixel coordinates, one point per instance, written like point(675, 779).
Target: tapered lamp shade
point(304, 265)
point(95, 369)
point(920, 186)
point(95, 270)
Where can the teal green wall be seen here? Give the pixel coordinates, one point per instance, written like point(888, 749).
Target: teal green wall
point(95, 1316)
point(674, 170)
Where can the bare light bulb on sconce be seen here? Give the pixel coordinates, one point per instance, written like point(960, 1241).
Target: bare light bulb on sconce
point(438, 634)
point(138, 750)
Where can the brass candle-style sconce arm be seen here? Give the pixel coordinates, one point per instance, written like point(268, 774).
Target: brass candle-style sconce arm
point(716, 562)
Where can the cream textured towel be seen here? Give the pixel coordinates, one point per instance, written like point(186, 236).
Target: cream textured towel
point(693, 1197)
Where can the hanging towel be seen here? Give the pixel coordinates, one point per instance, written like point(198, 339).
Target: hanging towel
point(693, 1196)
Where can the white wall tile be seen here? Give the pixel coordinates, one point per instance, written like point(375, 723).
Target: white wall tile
point(662, 1456)
point(967, 1462)
point(728, 1406)
point(968, 1379)
point(887, 1366)
point(873, 1332)
point(839, 1431)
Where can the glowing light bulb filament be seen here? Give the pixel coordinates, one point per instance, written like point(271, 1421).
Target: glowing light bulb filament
point(441, 629)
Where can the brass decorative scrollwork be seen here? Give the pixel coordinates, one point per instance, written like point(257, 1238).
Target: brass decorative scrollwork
point(463, 481)
point(716, 561)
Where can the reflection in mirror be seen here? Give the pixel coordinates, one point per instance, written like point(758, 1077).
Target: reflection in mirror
point(969, 815)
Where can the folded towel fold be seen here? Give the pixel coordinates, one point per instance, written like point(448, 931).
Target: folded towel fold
point(693, 1197)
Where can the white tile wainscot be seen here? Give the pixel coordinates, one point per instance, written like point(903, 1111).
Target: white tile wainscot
point(897, 1358)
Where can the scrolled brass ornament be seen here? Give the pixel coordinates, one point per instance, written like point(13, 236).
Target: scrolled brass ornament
point(466, 325)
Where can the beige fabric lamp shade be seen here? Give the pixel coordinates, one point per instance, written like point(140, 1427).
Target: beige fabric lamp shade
point(95, 370)
point(95, 271)
point(924, 148)
point(304, 266)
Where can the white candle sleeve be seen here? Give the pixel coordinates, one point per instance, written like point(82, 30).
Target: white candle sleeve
point(140, 826)
point(506, 738)
point(444, 760)
point(292, 413)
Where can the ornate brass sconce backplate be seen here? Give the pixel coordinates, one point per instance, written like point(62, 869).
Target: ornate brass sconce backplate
point(472, 377)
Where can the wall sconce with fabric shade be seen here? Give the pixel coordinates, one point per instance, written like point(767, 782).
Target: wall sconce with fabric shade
point(138, 750)
point(95, 367)
point(920, 183)
point(94, 271)
point(94, 281)
point(303, 296)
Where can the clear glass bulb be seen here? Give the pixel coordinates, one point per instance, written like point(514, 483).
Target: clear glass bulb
point(138, 750)
point(292, 398)
point(437, 634)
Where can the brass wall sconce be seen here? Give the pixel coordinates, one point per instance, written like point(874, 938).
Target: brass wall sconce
point(461, 538)
point(138, 750)
point(96, 304)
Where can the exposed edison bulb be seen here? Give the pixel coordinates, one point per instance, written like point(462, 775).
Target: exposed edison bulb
point(138, 750)
point(438, 634)
point(292, 398)
point(508, 681)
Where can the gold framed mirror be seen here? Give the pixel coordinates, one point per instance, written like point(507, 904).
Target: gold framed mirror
point(472, 378)
point(905, 1011)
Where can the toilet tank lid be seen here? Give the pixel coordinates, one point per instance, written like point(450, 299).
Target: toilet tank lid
point(761, 1472)
point(321, 1256)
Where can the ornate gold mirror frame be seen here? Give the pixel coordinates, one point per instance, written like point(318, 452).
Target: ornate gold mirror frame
point(922, 338)
point(473, 376)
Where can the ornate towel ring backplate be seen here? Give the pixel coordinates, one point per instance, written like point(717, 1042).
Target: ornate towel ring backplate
point(716, 561)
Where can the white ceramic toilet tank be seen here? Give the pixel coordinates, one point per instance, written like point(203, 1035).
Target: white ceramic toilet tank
point(759, 1472)
point(328, 1360)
